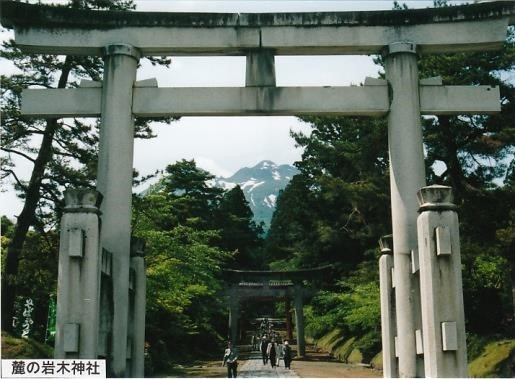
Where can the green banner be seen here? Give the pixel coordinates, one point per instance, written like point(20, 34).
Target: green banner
point(50, 324)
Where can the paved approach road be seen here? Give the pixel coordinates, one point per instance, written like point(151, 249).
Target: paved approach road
point(254, 368)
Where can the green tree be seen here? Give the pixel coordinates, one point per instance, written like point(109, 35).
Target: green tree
point(185, 313)
point(37, 277)
point(194, 199)
point(336, 207)
point(352, 307)
point(292, 223)
point(475, 150)
point(66, 149)
point(239, 232)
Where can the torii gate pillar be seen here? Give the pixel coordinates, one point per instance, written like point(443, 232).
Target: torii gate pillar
point(115, 184)
point(407, 176)
point(299, 320)
point(234, 319)
point(287, 309)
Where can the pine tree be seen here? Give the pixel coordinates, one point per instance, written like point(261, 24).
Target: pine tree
point(194, 200)
point(337, 207)
point(238, 231)
point(475, 151)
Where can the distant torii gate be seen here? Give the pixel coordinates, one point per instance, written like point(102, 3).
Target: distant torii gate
point(122, 38)
point(281, 285)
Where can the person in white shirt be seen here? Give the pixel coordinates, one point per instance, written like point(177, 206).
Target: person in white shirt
point(231, 358)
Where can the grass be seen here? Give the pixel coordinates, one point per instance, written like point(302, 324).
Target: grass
point(377, 361)
point(490, 358)
point(14, 348)
point(343, 351)
point(497, 360)
point(327, 340)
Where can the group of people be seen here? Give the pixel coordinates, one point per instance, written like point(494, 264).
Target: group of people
point(273, 352)
point(265, 327)
point(271, 348)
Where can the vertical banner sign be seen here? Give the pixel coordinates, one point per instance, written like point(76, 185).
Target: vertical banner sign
point(28, 309)
point(50, 324)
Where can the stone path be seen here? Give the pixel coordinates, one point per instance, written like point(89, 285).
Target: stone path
point(254, 368)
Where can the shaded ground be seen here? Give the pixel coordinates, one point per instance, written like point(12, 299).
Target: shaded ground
point(204, 369)
point(321, 365)
point(315, 365)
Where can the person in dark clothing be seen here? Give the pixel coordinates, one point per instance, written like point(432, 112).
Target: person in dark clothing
point(287, 355)
point(272, 352)
point(262, 347)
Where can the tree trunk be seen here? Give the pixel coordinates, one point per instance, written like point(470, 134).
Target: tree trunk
point(26, 217)
point(451, 158)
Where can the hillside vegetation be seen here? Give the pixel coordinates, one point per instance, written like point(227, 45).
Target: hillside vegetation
point(13, 348)
point(496, 357)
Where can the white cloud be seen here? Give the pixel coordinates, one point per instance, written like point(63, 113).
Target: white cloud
point(213, 167)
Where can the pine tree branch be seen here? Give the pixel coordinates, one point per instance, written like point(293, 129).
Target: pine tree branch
point(36, 131)
point(65, 154)
point(11, 172)
point(18, 153)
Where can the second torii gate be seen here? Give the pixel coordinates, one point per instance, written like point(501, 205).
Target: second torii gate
point(122, 38)
point(283, 285)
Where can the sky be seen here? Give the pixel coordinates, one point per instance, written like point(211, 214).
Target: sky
point(222, 145)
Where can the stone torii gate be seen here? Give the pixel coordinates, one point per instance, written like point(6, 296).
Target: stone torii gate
point(281, 285)
point(122, 38)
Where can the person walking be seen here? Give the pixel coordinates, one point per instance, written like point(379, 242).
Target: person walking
point(280, 352)
point(272, 352)
point(287, 355)
point(231, 359)
point(263, 348)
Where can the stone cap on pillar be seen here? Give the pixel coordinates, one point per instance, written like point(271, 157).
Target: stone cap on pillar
point(82, 200)
point(121, 49)
point(137, 247)
point(386, 244)
point(400, 47)
point(435, 197)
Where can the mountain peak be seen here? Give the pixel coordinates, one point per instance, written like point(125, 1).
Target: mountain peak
point(265, 165)
point(261, 185)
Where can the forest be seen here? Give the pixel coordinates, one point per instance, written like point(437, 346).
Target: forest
point(333, 212)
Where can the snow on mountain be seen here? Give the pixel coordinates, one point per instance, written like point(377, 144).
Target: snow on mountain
point(270, 200)
point(261, 185)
